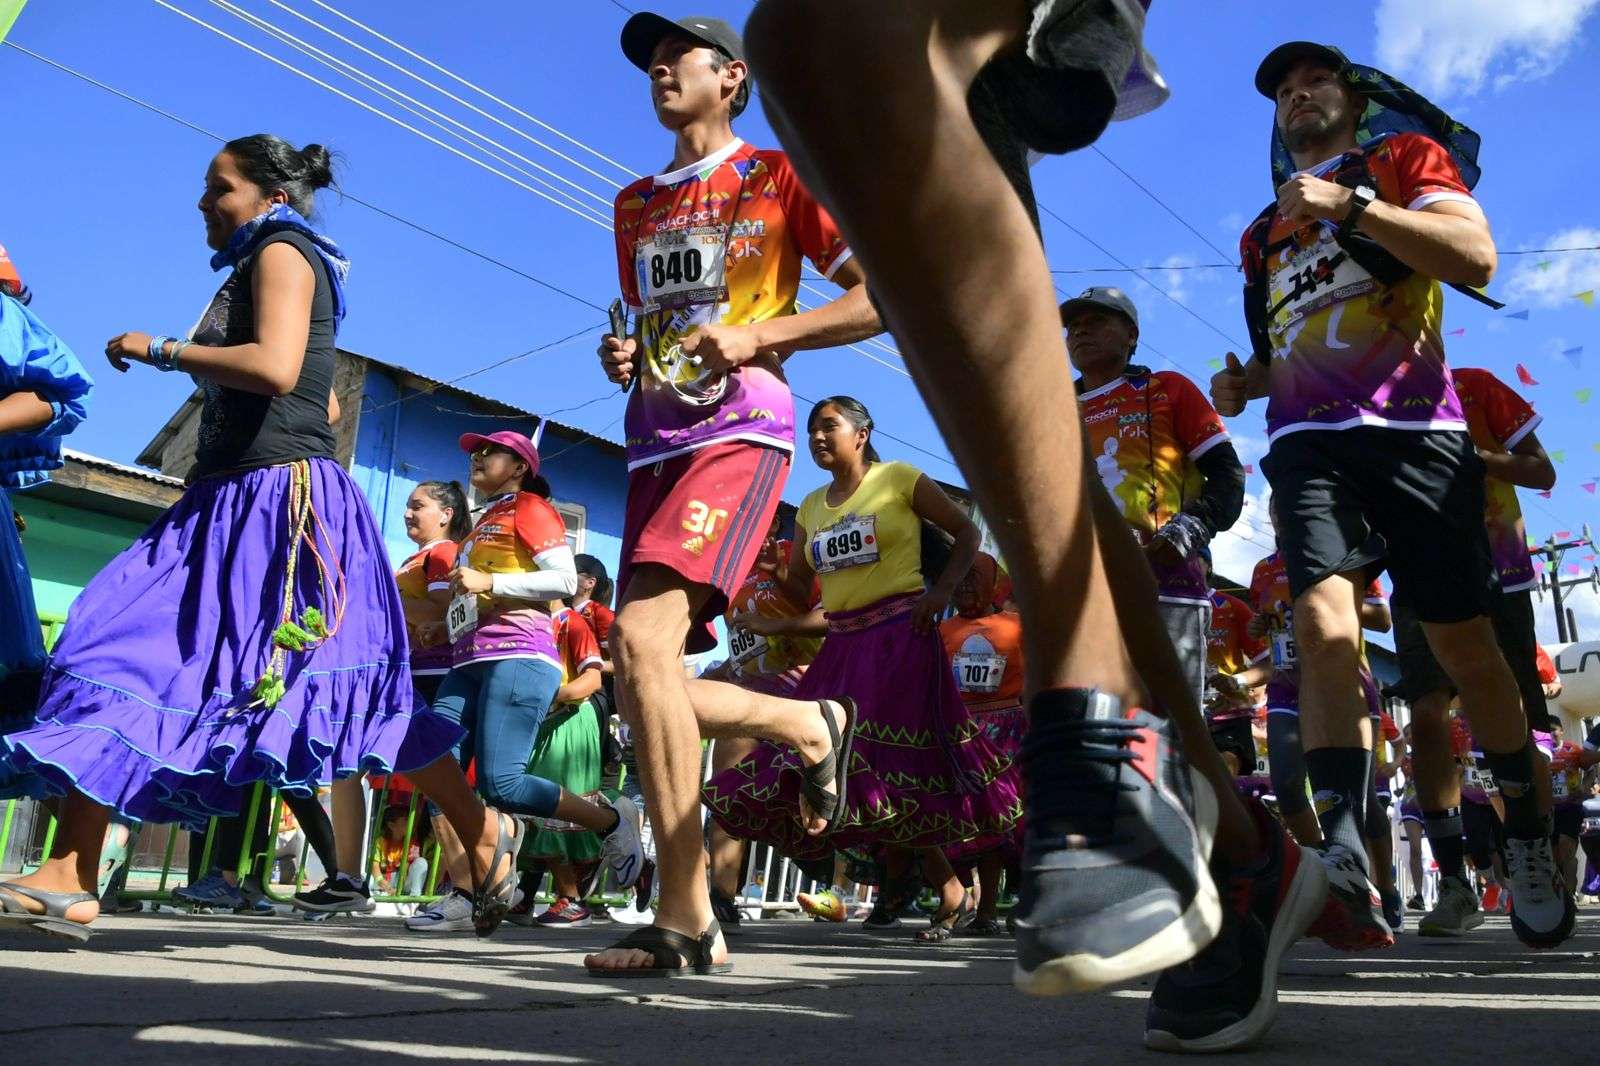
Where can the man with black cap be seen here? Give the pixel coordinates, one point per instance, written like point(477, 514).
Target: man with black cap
point(1370, 459)
point(709, 255)
point(1125, 788)
point(1163, 454)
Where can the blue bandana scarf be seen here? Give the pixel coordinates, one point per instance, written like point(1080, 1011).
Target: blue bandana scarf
point(1393, 107)
point(248, 237)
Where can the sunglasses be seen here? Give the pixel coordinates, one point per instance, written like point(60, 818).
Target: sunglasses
point(483, 451)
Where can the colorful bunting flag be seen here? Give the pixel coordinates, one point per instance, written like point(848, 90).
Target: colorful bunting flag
point(1523, 375)
point(1545, 494)
point(9, 10)
point(1544, 264)
point(1587, 296)
point(1574, 356)
point(1563, 534)
point(1589, 487)
point(1249, 468)
point(1456, 332)
point(1573, 568)
point(1582, 395)
point(1518, 314)
point(1560, 457)
point(1214, 364)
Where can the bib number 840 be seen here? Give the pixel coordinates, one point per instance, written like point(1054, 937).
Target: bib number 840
point(676, 267)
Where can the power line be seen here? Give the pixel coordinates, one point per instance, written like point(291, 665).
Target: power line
point(1163, 204)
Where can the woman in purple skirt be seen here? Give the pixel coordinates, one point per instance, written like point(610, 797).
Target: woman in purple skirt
point(922, 775)
point(254, 632)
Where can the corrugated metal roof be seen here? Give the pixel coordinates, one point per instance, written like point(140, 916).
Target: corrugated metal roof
point(121, 468)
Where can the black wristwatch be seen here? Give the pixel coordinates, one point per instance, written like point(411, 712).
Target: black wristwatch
point(1360, 197)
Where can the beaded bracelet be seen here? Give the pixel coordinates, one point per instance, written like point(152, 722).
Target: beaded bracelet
point(153, 350)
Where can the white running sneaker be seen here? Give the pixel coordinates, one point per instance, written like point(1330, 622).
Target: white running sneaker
point(1352, 918)
point(1542, 911)
point(621, 849)
point(451, 913)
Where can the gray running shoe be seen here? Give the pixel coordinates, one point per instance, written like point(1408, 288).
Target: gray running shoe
point(1456, 912)
point(621, 849)
point(1542, 910)
point(451, 913)
point(1115, 882)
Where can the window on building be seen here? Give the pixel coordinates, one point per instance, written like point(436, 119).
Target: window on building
point(576, 516)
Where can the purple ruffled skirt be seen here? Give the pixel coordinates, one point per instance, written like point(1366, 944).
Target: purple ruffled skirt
point(148, 705)
point(923, 771)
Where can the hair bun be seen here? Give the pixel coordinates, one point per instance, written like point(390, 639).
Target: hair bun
point(318, 164)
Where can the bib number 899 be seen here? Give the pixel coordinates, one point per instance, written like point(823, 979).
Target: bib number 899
point(843, 544)
point(675, 267)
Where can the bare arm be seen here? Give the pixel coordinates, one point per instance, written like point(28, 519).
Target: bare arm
point(1375, 616)
point(580, 688)
point(847, 318)
point(932, 505)
point(284, 285)
point(814, 623)
point(23, 411)
point(1526, 465)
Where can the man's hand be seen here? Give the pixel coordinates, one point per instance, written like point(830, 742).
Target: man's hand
point(1229, 389)
point(1304, 199)
point(759, 624)
point(616, 358)
point(1258, 626)
point(721, 348)
point(1162, 552)
point(464, 580)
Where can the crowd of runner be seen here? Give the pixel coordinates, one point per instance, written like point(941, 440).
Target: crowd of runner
point(1078, 738)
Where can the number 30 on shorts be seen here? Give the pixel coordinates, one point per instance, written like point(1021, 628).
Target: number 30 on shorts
point(706, 521)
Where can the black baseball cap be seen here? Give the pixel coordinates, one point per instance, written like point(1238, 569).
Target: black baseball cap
point(1103, 299)
point(645, 30)
point(1281, 58)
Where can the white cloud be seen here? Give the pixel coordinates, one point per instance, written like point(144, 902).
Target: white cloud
point(1551, 280)
point(1585, 605)
point(1455, 47)
point(1234, 553)
point(1232, 223)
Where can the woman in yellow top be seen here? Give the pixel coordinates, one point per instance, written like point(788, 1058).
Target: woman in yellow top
point(922, 775)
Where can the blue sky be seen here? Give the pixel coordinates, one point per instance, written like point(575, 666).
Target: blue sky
point(103, 225)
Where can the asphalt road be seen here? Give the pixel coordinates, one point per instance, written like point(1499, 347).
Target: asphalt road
point(171, 988)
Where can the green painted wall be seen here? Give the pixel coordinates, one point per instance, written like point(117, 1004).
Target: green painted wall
point(66, 546)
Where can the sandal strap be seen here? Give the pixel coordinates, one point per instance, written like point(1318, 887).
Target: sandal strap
point(55, 903)
point(668, 948)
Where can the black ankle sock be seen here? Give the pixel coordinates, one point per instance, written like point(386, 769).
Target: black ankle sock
point(1445, 837)
point(1339, 793)
point(1513, 772)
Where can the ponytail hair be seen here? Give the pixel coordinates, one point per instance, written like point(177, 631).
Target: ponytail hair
point(273, 164)
point(855, 412)
point(603, 585)
point(451, 496)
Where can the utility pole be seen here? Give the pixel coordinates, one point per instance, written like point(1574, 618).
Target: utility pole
point(1552, 581)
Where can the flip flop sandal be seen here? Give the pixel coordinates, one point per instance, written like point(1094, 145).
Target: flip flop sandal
point(943, 926)
point(491, 902)
point(832, 770)
point(53, 921)
point(673, 954)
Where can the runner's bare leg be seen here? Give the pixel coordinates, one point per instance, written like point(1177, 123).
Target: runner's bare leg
point(959, 271)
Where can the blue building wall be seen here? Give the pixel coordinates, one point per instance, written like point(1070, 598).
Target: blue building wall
point(399, 445)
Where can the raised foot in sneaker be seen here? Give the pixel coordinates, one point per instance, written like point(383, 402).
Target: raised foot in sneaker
point(210, 891)
point(1542, 910)
point(621, 849)
point(1352, 918)
point(1226, 997)
point(824, 905)
point(1455, 913)
point(450, 913)
point(338, 894)
point(1394, 912)
point(564, 913)
point(1114, 877)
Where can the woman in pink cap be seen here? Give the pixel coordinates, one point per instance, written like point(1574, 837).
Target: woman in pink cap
point(506, 667)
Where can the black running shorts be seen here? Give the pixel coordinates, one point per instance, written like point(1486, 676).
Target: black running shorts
point(1568, 820)
point(1512, 615)
point(1483, 832)
point(1410, 500)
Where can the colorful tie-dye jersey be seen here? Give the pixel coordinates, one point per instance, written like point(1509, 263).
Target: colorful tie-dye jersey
point(751, 655)
point(1348, 351)
point(1229, 646)
point(428, 570)
point(1269, 592)
point(718, 241)
point(1498, 420)
point(986, 655)
point(514, 531)
point(579, 647)
point(1145, 432)
point(1566, 771)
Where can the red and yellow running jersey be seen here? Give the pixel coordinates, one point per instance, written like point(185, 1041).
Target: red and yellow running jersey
point(428, 570)
point(1269, 592)
point(1347, 350)
point(753, 655)
point(986, 654)
point(1498, 420)
point(599, 617)
point(514, 531)
point(1145, 432)
point(720, 241)
point(579, 649)
point(1229, 646)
